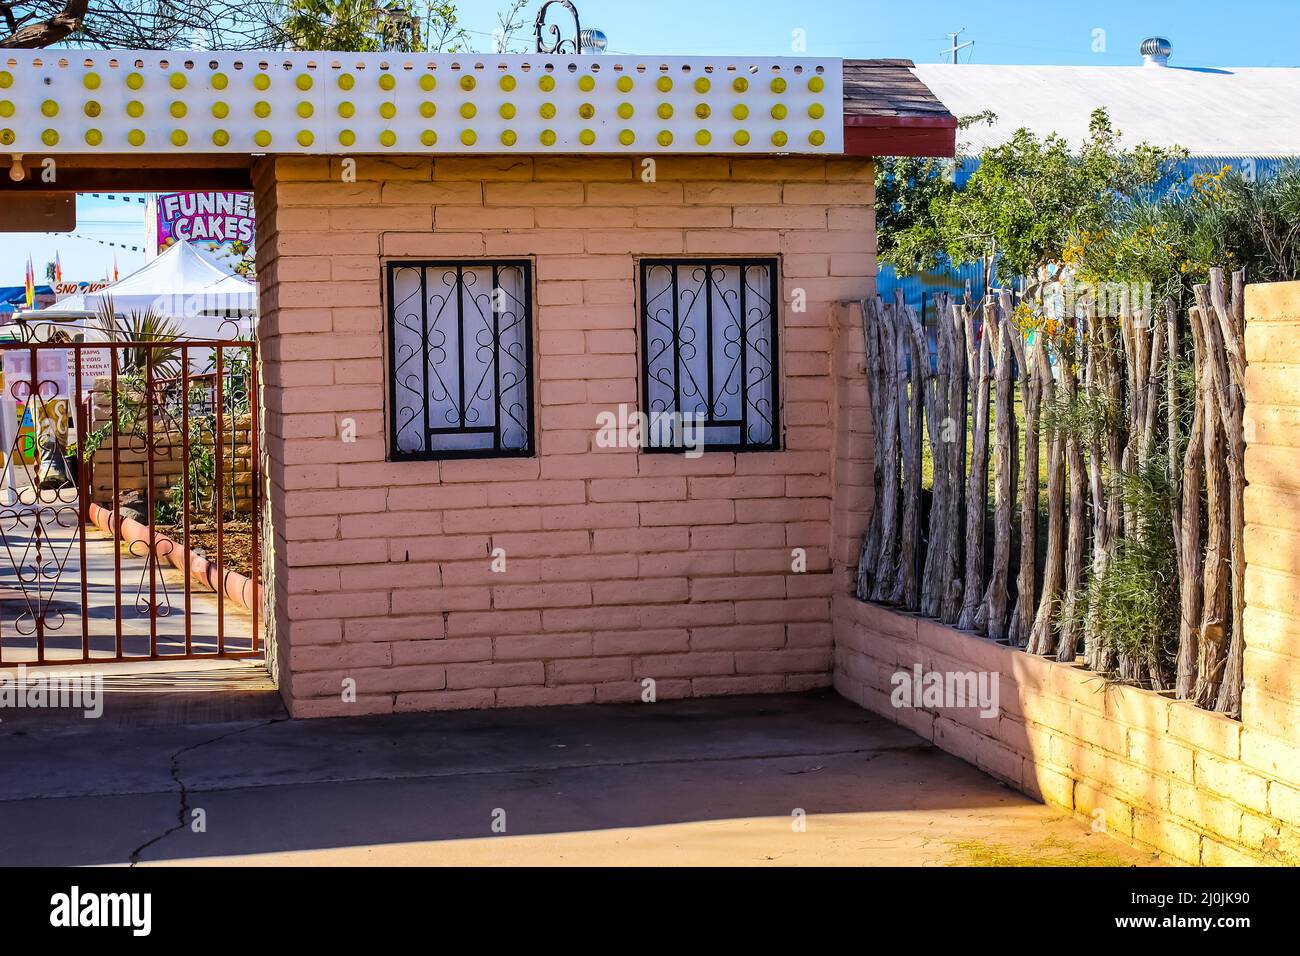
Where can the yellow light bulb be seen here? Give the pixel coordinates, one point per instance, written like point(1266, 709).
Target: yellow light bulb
point(702, 110)
point(468, 110)
point(388, 138)
point(665, 111)
point(261, 81)
point(305, 138)
point(50, 108)
point(469, 137)
point(220, 81)
point(220, 137)
point(262, 109)
point(387, 81)
point(740, 111)
point(546, 83)
point(779, 111)
point(6, 79)
point(817, 137)
point(6, 137)
point(508, 138)
point(428, 137)
point(428, 82)
point(303, 82)
point(701, 85)
point(428, 109)
point(586, 111)
point(586, 137)
point(178, 81)
point(6, 108)
point(547, 111)
point(625, 110)
point(179, 138)
point(816, 84)
point(92, 108)
point(624, 84)
point(347, 137)
point(346, 109)
point(135, 137)
point(178, 109)
point(94, 137)
point(740, 84)
point(816, 111)
point(346, 81)
point(262, 138)
point(90, 81)
point(134, 81)
point(664, 83)
point(778, 85)
point(548, 137)
point(665, 138)
point(627, 137)
point(586, 84)
point(467, 83)
point(507, 83)
point(135, 109)
point(220, 110)
point(387, 110)
point(305, 109)
point(50, 138)
point(779, 138)
point(741, 138)
point(703, 137)
point(507, 111)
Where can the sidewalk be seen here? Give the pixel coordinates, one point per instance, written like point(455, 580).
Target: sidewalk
point(689, 782)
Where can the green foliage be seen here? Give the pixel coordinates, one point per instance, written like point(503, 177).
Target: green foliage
point(372, 25)
point(1134, 602)
point(146, 326)
point(1025, 201)
point(1172, 240)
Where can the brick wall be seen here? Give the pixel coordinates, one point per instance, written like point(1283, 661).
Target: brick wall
point(1163, 774)
point(620, 566)
point(133, 458)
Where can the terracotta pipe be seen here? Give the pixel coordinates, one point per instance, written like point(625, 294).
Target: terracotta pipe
point(238, 587)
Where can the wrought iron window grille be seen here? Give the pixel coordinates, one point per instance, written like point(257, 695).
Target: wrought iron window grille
point(460, 359)
point(710, 357)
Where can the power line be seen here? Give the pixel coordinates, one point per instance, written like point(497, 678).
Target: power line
point(102, 242)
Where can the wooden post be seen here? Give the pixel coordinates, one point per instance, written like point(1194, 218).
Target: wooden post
point(977, 480)
point(992, 614)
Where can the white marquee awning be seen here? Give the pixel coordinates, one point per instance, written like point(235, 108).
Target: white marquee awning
point(120, 101)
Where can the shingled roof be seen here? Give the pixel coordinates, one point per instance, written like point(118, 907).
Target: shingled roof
point(888, 111)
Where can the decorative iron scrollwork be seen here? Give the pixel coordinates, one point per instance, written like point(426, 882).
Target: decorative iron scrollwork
point(558, 42)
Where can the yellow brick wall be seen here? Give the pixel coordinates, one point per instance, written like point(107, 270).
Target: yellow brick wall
point(1193, 785)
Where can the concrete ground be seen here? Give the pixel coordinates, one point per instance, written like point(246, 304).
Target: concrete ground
point(787, 780)
point(57, 595)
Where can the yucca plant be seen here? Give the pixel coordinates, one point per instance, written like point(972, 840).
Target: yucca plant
point(144, 327)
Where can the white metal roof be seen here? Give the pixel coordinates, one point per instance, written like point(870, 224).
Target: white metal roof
point(1246, 111)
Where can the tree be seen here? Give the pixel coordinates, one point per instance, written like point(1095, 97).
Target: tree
point(1024, 203)
point(141, 24)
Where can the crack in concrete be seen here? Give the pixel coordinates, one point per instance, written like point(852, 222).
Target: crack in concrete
point(183, 791)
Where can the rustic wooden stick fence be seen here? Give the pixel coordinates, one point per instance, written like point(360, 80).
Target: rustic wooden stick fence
point(1102, 401)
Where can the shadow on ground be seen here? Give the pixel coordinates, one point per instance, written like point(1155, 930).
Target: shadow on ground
point(791, 779)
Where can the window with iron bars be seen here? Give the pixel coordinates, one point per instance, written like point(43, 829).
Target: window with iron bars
point(709, 353)
point(460, 359)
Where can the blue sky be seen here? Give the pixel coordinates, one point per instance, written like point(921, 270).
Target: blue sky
point(1103, 32)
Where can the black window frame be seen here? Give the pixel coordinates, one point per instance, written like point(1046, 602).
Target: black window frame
point(391, 267)
point(773, 265)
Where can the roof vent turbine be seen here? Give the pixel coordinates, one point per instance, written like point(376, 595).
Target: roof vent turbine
point(1155, 51)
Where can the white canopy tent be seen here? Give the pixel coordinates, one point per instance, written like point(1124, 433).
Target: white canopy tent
point(181, 284)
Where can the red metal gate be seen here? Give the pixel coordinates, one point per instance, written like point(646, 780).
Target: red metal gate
point(129, 501)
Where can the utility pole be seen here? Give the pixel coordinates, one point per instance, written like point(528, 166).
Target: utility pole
point(955, 46)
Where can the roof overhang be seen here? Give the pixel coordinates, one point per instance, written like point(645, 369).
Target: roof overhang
point(900, 135)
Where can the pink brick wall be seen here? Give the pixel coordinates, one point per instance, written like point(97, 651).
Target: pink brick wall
point(621, 566)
